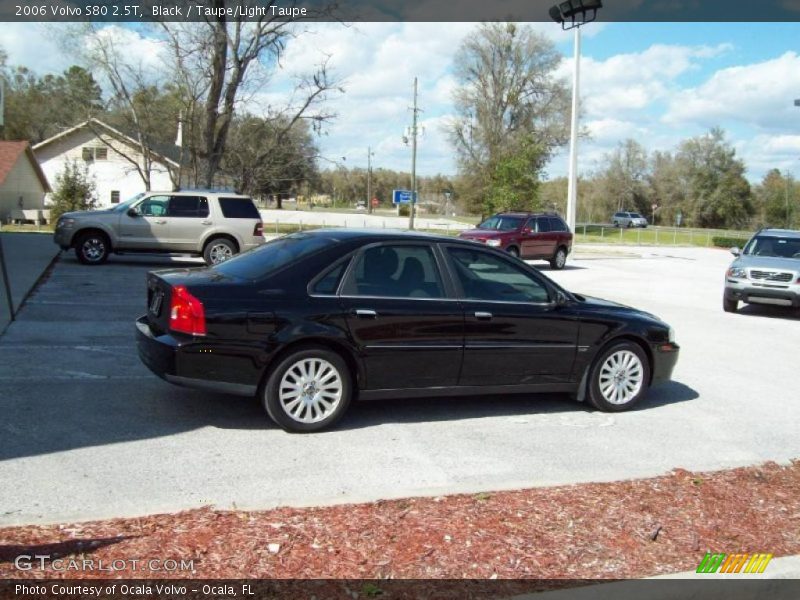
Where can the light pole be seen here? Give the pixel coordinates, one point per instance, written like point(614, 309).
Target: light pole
point(370, 154)
point(414, 130)
point(571, 15)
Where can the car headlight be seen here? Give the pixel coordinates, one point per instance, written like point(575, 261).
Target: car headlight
point(66, 222)
point(493, 243)
point(737, 273)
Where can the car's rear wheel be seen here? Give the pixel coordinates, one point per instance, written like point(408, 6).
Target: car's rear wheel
point(92, 248)
point(619, 378)
point(219, 250)
point(729, 306)
point(559, 259)
point(309, 390)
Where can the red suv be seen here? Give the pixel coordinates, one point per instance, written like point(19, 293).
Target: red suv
point(526, 235)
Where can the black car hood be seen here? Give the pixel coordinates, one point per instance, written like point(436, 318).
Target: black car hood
point(601, 304)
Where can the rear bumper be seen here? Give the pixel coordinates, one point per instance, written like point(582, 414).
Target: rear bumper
point(179, 362)
point(773, 295)
point(665, 357)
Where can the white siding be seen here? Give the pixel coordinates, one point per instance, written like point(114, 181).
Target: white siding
point(21, 183)
point(113, 174)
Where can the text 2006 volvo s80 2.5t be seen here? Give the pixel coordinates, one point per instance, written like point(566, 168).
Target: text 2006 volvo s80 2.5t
point(312, 320)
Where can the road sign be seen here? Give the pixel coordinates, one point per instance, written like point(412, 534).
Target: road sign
point(375, 202)
point(403, 197)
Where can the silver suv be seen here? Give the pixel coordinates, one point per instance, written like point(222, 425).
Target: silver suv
point(767, 271)
point(214, 225)
point(628, 219)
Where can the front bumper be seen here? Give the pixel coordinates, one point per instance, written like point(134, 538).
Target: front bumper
point(181, 363)
point(762, 293)
point(63, 237)
point(665, 357)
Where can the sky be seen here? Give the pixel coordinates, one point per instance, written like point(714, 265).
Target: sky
point(657, 83)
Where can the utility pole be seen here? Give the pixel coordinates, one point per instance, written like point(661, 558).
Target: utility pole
point(414, 110)
point(369, 179)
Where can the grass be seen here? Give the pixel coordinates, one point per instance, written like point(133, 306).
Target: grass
point(653, 236)
point(26, 228)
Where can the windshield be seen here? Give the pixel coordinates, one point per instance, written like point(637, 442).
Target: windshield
point(776, 247)
point(123, 206)
point(273, 255)
point(636, 215)
point(499, 223)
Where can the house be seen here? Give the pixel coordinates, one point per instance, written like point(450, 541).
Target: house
point(23, 184)
point(110, 156)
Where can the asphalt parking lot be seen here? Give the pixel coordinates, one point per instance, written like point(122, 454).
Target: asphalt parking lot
point(87, 432)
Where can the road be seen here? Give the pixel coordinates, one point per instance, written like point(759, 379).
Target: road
point(87, 432)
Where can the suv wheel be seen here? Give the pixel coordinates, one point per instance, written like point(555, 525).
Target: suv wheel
point(218, 250)
point(619, 377)
point(308, 391)
point(92, 248)
point(559, 259)
point(730, 306)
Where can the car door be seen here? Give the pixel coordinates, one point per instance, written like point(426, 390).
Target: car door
point(514, 331)
point(188, 219)
point(528, 239)
point(545, 239)
point(148, 229)
point(401, 315)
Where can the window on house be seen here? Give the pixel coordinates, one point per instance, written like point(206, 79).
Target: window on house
point(115, 197)
point(101, 153)
point(93, 153)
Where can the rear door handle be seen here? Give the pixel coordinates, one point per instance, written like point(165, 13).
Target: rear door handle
point(483, 316)
point(366, 313)
point(205, 222)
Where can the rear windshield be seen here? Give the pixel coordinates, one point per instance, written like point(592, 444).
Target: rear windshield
point(273, 255)
point(238, 208)
point(501, 223)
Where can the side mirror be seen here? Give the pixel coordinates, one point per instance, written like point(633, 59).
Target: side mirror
point(528, 231)
point(735, 251)
point(132, 212)
point(561, 298)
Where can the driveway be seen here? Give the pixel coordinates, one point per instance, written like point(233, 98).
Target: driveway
point(87, 432)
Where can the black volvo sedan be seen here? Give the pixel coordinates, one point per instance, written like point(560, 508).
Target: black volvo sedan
point(312, 320)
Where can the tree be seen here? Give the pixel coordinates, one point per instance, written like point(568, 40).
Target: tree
point(514, 182)
point(776, 198)
point(625, 177)
point(718, 193)
point(234, 58)
point(74, 190)
point(508, 96)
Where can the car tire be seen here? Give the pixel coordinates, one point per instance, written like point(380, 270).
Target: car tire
point(219, 250)
point(92, 248)
point(300, 387)
point(513, 251)
point(559, 259)
point(729, 306)
point(619, 377)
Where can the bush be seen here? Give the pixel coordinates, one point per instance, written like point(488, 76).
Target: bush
point(75, 190)
point(405, 210)
point(721, 241)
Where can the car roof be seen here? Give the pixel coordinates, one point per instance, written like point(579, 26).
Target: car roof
point(791, 233)
point(526, 214)
point(346, 233)
point(198, 191)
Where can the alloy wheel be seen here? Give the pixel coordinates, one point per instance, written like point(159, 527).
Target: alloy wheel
point(621, 377)
point(310, 390)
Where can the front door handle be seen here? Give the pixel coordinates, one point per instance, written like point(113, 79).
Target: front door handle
point(161, 222)
point(366, 313)
point(205, 222)
point(483, 316)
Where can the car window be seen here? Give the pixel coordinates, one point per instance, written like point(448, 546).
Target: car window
point(542, 225)
point(188, 206)
point(773, 246)
point(154, 206)
point(276, 254)
point(557, 224)
point(636, 215)
point(238, 208)
point(502, 223)
point(485, 276)
point(395, 271)
point(329, 282)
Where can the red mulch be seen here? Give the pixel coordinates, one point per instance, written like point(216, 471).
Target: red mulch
point(599, 530)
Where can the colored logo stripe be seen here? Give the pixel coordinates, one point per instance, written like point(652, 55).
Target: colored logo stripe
point(734, 563)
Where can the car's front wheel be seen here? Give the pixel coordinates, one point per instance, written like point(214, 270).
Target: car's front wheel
point(729, 306)
point(92, 248)
point(619, 377)
point(513, 251)
point(308, 390)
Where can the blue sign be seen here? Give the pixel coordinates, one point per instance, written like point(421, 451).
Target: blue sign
point(403, 197)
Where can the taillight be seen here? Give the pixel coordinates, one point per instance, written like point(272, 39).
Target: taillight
point(259, 229)
point(186, 313)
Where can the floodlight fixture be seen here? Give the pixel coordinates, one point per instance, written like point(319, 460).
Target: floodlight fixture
point(574, 13)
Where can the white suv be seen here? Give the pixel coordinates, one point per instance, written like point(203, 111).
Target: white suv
point(214, 225)
point(628, 219)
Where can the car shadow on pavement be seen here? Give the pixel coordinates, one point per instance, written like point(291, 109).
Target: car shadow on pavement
point(141, 260)
point(771, 312)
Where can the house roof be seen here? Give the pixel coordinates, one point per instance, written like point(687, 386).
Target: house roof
point(164, 153)
point(10, 153)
